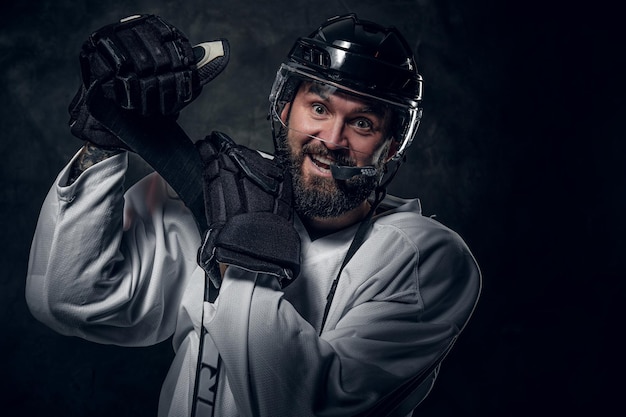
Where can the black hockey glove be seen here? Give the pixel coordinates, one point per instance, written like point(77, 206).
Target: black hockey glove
point(143, 65)
point(248, 204)
point(85, 127)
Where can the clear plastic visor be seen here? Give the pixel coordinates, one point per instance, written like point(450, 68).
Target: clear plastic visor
point(402, 124)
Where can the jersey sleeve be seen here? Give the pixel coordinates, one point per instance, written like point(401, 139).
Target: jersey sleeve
point(394, 318)
point(110, 266)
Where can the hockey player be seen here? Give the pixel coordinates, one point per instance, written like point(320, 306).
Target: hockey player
point(334, 299)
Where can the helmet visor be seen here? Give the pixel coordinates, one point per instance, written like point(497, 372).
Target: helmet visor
point(401, 125)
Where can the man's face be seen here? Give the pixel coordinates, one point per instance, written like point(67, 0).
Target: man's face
point(325, 128)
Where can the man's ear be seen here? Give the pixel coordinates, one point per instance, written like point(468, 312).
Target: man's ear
point(284, 114)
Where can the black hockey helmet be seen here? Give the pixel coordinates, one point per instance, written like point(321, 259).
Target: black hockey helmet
point(361, 58)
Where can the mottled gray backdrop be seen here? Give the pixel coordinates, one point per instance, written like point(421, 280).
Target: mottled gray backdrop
point(520, 151)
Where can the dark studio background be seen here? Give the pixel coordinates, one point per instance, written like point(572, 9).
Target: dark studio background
point(519, 152)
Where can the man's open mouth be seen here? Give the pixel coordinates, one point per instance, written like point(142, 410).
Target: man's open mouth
point(321, 161)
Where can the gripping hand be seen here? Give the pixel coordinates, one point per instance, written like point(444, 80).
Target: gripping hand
point(147, 65)
point(249, 212)
point(143, 65)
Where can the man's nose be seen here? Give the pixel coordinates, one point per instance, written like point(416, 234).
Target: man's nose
point(335, 135)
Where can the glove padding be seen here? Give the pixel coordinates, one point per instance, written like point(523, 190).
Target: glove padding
point(146, 65)
point(248, 205)
point(143, 65)
point(86, 127)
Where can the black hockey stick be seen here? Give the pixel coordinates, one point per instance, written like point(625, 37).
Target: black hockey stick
point(165, 146)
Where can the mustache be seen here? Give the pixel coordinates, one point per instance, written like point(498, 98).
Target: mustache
point(339, 157)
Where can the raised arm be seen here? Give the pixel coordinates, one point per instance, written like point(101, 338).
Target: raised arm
point(104, 265)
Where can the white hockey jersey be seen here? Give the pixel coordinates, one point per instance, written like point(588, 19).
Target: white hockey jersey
point(120, 268)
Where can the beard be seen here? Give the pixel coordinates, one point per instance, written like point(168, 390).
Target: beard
point(321, 197)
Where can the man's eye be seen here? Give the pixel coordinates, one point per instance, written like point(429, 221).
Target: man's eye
point(362, 124)
point(318, 109)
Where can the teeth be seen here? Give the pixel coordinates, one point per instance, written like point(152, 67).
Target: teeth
point(322, 160)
